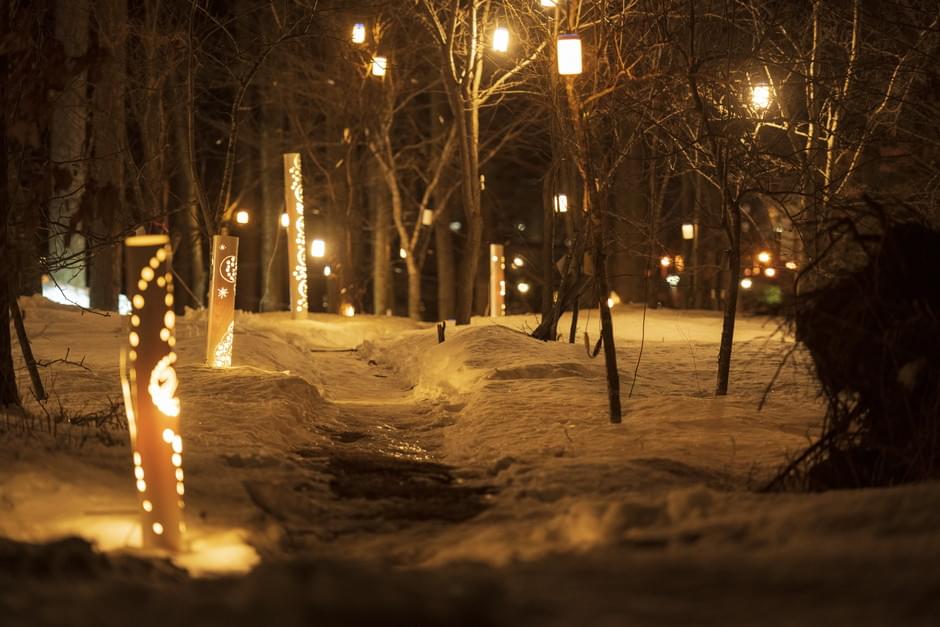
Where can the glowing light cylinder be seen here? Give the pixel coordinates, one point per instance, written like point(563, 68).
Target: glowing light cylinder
point(569, 55)
point(149, 384)
point(497, 281)
point(296, 239)
point(221, 331)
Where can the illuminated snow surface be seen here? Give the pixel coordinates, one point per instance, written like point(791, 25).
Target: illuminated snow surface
point(477, 482)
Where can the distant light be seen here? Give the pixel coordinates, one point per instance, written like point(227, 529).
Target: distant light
point(549, 3)
point(501, 39)
point(427, 217)
point(770, 272)
point(673, 280)
point(348, 310)
point(327, 270)
point(688, 231)
point(523, 287)
point(760, 97)
point(318, 248)
point(614, 299)
point(518, 262)
point(610, 303)
point(680, 263)
point(455, 226)
point(665, 261)
point(790, 265)
point(402, 253)
point(285, 220)
point(359, 33)
point(763, 256)
point(482, 182)
point(242, 217)
point(569, 54)
point(520, 226)
point(379, 66)
point(561, 203)
point(746, 283)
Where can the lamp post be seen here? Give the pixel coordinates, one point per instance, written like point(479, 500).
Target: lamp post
point(296, 238)
point(149, 383)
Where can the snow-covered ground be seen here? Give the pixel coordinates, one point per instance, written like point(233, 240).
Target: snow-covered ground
point(353, 471)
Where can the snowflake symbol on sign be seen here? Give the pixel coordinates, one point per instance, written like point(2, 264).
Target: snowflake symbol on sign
point(223, 292)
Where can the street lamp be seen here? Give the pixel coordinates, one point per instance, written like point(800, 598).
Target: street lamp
point(501, 39)
point(318, 249)
point(359, 33)
point(763, 256)
point(569, 54)
point(379, 66)
point(242, 217)
point(760, 96)
point(688, 231)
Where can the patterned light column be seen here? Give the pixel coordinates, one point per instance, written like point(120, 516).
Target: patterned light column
point(296, 240)
point(497, 281)
point(149, 383)
point(222, 301)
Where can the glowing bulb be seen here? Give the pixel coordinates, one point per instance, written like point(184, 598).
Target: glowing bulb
point(688, 231)
point(523, 287)
point(517, 262)
point(501, 39)
point(569, 54)
point(760, 96)
point(561, 203)
point(763, 256)
point(746, 283)
point(318, 248)
point(379, 66)
point(665, 262)
point(327, 271)
point(402, 253)
point(285, 220)
point(770, 272)
point(790, 265)
point(242, 217)
point(359, 33)
point(610, 303)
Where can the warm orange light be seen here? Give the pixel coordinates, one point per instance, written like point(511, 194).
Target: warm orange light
point(242, 217)
point(746, 283)
point(497, 281)
point(770, 272)
point(348, 310)
point(763, 256)
point(379, 66)
point(221, 328)
point(665, 261)
point(569, 54)
point(296, 239)
point(688, 231)
point(285, 220)
point(518, 262)
point(523, 287)
point(790, 265)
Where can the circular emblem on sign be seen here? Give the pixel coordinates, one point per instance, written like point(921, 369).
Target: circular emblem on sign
point(229, 268)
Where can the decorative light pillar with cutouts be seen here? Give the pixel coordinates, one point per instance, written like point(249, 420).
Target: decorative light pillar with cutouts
point(497, 281)
point(150, 384)
point(296, 239)
point(221, 331)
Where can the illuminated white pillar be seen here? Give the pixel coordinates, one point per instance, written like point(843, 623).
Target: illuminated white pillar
point(497, 281)
point(221, 331)
point(149, 384)
point(296, 240)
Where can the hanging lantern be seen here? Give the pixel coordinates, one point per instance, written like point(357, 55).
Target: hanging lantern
point(501, 39)
point(221, 331)
point(296, 239)
point(688, 231)
point(149, 383)
point(427, 217)
point(569, 54)
point(379, 66)
point(497, 281)
point(359, 33)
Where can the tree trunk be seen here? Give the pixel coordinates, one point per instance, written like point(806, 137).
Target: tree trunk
point(381, 247)
point(188, 256)
point(468, 131)
point(67, 135)
point(731, 303)
point(107, 168)
point(8, 392)
point(444, 249)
